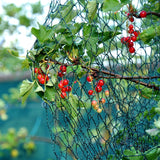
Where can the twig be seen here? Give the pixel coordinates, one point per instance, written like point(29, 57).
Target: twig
point(148, 13)
point(114, 75)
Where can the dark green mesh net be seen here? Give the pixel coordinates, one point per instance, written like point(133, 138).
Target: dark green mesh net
point(95, 65)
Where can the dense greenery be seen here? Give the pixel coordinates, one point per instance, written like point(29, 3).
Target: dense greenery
point(79, 46)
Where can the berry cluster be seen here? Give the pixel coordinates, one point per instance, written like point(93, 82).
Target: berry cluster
point(98, 89)
point(42, 78)
point(129, 41)
point(63, 84)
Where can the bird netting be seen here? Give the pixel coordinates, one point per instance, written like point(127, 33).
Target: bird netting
point(95, 65)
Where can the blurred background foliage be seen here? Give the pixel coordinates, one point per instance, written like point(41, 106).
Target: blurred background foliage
point(15, 21)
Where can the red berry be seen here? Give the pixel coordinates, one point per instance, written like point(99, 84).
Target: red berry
point(89, 78)
point(123, 40)
point(98, 88)
point(60, 85)
point(63, 89)
point(143, 14)
point(94, 103)
point(68, 88)
point(131, 19)
point(131, 31)
point(136, 33)
point(63, 94)
point(60, 74)
point(65, 82)
point(63, 68)
point(130, 27)
point(37, 70)
point(130, 44)
point(90, 92)
point(131, 49)
point(47, 78)
point(133, 38)
point(39, 76)
point(100, 82)
point(128, 39)
point(42, 80)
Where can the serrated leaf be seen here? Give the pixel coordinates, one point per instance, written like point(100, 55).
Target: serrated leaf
point(50, 93)
point(92, 9)
point(25, 89)
point(150, 33)
point(42, 34)
point(39, 89)
point(153, 153)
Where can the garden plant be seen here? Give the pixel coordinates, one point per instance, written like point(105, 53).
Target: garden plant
point(96, 65)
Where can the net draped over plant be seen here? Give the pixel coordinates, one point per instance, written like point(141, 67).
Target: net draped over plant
point(95, 65)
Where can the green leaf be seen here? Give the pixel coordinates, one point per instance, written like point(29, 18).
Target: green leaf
point(13, 52)
point(150, 33)
point(132, 154)
point(66, 12)
point(50, 93)
point(153, 153)
point(114, 5)
point(25, 89)
point(42, 34)
point(24, 20)
point(92, 9)
point(158, 70)
point(153, 132)
point(157, 123)
point(111, 5)
point(65, 39)
point(39, 88)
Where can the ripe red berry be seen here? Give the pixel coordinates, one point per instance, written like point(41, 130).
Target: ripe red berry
point(60, 85)
point(63, 68)
point(63, 94)
point(136, 33)
point(47, 78)
point(68, 88)
point(90, 92)
point(143, 14)
point(65, 82)
point(131, 31)
point(37, 70)
point(100, 82)
point(63, 89)
point(89, 78)
point(123, 40)
point(133, 38)
point(98, 88)
point(42, 80)
point(128, 39)
point(39, 76)
point(131, 19)
point(60, 74)
point(130, 27)
point(131, 49)
point(130, 44)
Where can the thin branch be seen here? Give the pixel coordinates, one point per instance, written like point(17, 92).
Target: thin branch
point(114, 75)
point(148, 13)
